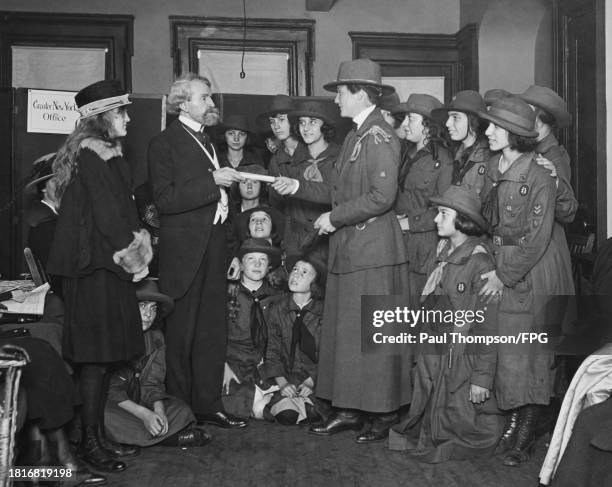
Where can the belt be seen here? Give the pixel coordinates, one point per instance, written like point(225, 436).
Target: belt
point(508, 241)
point(362, 225)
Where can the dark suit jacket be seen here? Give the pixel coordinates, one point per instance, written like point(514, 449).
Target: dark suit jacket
point(186, 196)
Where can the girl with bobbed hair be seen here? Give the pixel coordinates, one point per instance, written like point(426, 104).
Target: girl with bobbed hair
point(533, 271)
point(99, 249)
point(426, 172)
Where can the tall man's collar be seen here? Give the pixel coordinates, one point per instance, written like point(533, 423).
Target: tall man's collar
point(192, 124)
point(359, 119)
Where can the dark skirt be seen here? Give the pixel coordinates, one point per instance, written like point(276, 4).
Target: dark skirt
point(102, 321)
point(350, 378)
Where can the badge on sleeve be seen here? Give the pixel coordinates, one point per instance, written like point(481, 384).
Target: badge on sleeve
point(524, 190)
point(437, 165)
point(481, 170)
point(537, 210)
point(383, 174)
point(461, 287)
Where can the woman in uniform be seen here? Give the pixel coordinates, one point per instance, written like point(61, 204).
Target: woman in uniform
point(467, 129)
point(531, 268)
point(426, 173)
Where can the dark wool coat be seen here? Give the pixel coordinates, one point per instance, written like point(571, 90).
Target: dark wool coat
point(366, 257)
point(281, 318)
point(566, 203)
point(97, 218)
point(186, 196)
point(150, 369)
point(301, 214)
point(443, 424)
point(472, 175)
point(424, 177)
point(532, 260)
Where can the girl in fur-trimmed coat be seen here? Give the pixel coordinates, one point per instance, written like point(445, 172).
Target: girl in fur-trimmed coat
point(98, 249)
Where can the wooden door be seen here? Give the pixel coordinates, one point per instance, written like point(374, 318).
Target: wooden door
point(581, 82)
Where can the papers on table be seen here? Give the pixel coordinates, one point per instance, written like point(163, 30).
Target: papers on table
point(27, 302)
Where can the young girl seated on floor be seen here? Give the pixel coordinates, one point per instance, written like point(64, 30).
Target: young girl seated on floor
point(138, 410)
point(247, 338)
point(294, 330)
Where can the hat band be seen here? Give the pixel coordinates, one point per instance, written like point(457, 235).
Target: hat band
point(356, 81)
point(103, 105)
point(511, 117)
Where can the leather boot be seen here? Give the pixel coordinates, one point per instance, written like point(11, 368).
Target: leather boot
point(525, 436)
point(96, 456)
point(118, 450)
point(508, 438)
point(379, 428)
point(62, 456)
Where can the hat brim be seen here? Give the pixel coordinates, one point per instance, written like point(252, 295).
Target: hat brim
point(305, 113)
point(476, 217)
point(562, 117)
point(333, 86)
point(403, 110)
point(104, 105)
point(166, 302)
point(509, 126)
point(224, 128)
point(39, 180)
point(440, 115)
point(273, 253)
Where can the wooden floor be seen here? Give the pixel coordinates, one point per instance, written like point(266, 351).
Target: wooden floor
point(274, 455)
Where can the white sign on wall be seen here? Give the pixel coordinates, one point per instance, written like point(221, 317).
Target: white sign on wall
point(52, 112)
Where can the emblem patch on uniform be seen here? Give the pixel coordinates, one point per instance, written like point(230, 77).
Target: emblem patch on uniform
point(481, 170)
point(437, 164)
point(461, 287)
point(524, 190)
point(537, 210)
point(383, 174)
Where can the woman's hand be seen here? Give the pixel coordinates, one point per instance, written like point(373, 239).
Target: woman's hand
point(479, 394)
point(228, 377)
point(493, 287)
point(547, 164)
point(153, 423)
point(160, 410)
point(324, 225)
point(305, 388)
point(233, 272)
point(284, 185)
point(289, 390)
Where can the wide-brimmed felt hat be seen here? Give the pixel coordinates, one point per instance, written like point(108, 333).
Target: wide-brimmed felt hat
point(513, 114)
point(263, 246)
point(280, 104)
point(419, 103)
point(242, 219)
point(495, 94)
point(547, 99)
point(313, 109)
point(236, 122)
point(359, 72)
point(148, 290)
point(389, 102)
point(467, 101)
point(42, 170)
point(314, 260)
point(100, 97)
point(464, 201)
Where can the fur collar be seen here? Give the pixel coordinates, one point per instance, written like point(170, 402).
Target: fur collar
point(105, 150)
